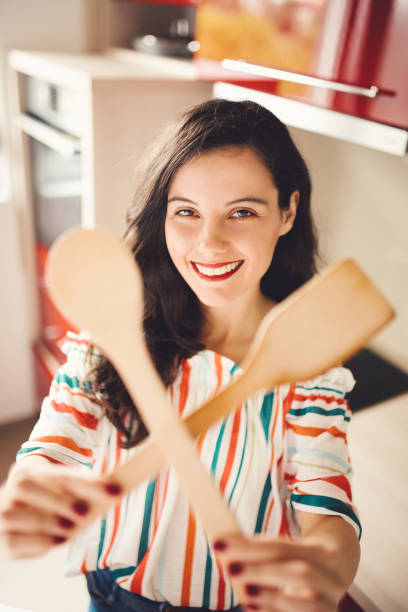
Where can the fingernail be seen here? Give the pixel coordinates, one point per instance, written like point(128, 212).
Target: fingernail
point(252, 606)
point(113, 489)
point(59, 539)
point(235, 568)
point(252, 589)
point(80, 507)
point(220, 545)
point(65, 522)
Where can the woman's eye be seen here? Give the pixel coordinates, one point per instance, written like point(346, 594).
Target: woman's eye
point(243, 212)
point(185, 212)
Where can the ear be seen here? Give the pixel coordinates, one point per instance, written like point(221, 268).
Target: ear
point(289, 214)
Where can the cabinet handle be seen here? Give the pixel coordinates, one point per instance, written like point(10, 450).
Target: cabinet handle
point(62, 143)
point(294, 77)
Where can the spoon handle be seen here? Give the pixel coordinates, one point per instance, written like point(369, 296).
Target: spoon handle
point(148, 458)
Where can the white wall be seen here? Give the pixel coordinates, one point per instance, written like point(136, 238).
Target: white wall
point(361, 203)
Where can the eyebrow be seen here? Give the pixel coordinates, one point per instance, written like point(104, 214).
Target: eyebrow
point(238, 201)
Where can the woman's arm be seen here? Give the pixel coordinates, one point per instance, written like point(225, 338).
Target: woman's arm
point(335, 532)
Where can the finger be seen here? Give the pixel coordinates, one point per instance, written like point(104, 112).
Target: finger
point(268, 599)
point(23, 519)
point(297, 576)
point(261, 548)
point(23, 546)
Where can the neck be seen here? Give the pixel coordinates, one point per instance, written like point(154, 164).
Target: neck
point(231, 328)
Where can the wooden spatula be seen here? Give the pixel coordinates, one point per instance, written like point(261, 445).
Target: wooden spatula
point(319, 326)
point(96, 284)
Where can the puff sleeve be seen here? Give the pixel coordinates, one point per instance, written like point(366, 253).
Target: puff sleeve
point(68, 430)
point(318, 467)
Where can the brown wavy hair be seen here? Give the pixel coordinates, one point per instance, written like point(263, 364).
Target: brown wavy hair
point(173, 318)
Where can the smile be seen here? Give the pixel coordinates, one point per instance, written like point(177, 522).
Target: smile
point(215, 272)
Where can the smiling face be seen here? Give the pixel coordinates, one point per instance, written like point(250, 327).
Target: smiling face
point(223, 222)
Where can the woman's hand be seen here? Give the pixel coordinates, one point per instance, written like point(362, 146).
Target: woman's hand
point(282, 575)
point(43, 505)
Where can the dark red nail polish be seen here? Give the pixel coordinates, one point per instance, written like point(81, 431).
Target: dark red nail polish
point(113, 489)
point(80, 507)
point(220, 545)
point(252, 606)
point(65, 522)
point(252, 589)
point(235, 569)
point(59, 539)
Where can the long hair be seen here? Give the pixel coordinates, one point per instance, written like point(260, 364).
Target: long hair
point(173, 318)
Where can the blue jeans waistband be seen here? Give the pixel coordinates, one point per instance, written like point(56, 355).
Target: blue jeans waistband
point(108, 596)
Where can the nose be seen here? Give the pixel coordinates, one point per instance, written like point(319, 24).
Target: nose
point(212, 238)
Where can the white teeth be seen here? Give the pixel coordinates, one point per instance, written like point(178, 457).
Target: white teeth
point(217, 271)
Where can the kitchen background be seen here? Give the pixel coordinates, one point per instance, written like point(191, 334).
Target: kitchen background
point(90, 118)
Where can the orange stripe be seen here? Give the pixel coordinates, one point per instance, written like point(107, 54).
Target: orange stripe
point(184, 387)
point(117, 507)
point(188, 560)
point(316, 431)
point(231, 451)
point(218, 371)
point(66, 443)
point(59, 386)
point(82, 418)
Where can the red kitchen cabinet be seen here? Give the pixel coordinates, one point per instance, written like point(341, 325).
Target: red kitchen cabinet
point(356, 49)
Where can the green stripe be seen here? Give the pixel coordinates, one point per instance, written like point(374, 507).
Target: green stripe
point(319, 389)
point(262, 506)
point(266, 413)
point(73, 382)
point(123, 571)
point(22, 451)
point(317, 410)
point(331, 503)
point(144, 538)
point(101, 540)
point(242, 455)
point(217, 449)
point(207, 580)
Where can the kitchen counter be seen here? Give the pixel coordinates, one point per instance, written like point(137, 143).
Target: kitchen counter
point(379, 452)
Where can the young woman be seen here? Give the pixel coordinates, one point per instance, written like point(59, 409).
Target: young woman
point(221, 229)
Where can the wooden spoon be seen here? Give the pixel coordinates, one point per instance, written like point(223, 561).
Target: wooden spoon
point(96, 284)
point(319, 326)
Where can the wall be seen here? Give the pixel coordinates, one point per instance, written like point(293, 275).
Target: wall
point(361, 205)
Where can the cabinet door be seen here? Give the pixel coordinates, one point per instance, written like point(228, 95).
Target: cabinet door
point(354, 50)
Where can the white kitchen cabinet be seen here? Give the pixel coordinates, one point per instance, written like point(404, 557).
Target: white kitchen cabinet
point(80, 125)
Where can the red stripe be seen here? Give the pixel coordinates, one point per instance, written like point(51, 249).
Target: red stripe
point(221, 587)
point(339, 481)
point(136, 584)
point(66, 443)
point(231, 451)
point(184, 386)
point(299, 397)
point(83, 418)
point(42, 455)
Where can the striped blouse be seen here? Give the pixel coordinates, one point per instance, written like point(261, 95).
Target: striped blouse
point(279, 452)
